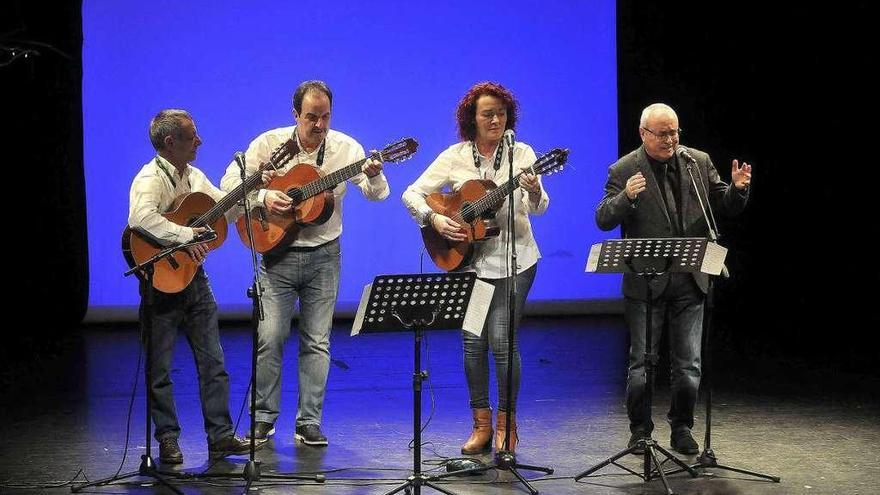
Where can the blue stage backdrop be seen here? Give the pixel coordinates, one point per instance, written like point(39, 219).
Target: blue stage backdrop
point(397, 68)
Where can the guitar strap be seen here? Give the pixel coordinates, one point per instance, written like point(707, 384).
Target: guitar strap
point(318, 161)
point(496, 165)
point(161, 165)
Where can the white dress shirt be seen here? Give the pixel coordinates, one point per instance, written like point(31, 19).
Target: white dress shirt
point(154, 191)
point(453, 168)
point(340, 151)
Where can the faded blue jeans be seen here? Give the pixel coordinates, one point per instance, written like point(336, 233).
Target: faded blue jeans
point(682, 304)
point(494, 336)
point(312, 276)
point(195, 312)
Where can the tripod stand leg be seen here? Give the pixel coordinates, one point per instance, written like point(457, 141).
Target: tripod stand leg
point(606, 462)
point(775, 479)
point(405, 486)
point(147, 469)
point(649, 456)
point(165, 483)
point(676, 460)
point(524, 481)
point(534, 468)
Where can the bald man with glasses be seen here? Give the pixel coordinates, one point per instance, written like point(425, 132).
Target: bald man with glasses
point(649, 194)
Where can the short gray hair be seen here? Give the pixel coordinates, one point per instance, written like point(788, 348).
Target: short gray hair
point(654, 108)
point(168, 122)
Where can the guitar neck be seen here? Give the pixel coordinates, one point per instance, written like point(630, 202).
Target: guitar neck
point(227, 202)
point(331, 180)
point(496, 196)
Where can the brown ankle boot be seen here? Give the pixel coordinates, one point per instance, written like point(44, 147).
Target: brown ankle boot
point(500, 428)
point(481, 438)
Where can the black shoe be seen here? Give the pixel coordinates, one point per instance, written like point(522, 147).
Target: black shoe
point(231, 445)
point(169, 451)
point(633, 442)
point(262, 430)
point(683, 442)
point(310, 435)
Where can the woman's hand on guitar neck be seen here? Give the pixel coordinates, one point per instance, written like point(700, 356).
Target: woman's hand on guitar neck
point(447, 228)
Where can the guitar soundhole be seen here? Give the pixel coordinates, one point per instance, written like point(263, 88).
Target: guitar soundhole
point(296, 194)
point(467, 212)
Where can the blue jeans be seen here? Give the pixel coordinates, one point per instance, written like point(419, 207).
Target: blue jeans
point(494, 335)
point(312, 276)
point(195, 312)
point(682, 304)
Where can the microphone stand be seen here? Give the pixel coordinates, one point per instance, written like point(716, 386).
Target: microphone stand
point(255, 293)
point(147, 467)
point(707, 458)
point(505, 458)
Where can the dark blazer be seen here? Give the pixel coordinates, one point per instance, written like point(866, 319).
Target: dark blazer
point(647, 216)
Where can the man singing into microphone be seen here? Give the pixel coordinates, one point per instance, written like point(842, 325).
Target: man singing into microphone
point(649, 193)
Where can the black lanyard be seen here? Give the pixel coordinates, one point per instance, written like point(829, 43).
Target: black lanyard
point(496, 165)
point(320, 160)
point(167, 172)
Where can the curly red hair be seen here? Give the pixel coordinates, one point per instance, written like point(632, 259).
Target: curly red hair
point(466, 113)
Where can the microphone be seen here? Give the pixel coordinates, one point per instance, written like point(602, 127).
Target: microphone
point(706, 207)
point(509, 138)
point(684, 153)
point(240, 160)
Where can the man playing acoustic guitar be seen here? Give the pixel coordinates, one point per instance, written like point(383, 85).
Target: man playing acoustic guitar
point(156, 189)
point(304, 262)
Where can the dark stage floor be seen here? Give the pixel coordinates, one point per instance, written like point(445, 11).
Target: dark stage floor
point(816, 429)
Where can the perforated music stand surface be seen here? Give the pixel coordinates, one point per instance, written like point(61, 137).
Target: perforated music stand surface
point(418, 302)
point(674, 254)
point(440, 300)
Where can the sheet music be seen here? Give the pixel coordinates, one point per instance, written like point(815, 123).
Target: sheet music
point(478, 307)
point(362, 309)
point(713, 261)
point(593, 258)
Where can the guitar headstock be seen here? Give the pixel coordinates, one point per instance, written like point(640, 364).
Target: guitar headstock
point(281, 155)
point(552, 162)
point(399, 151)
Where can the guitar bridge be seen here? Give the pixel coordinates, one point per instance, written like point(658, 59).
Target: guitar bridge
point(173, 262)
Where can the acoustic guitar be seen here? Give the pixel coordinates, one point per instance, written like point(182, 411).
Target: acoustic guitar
point(473, 206)
point(312, 194)
point(175, 272)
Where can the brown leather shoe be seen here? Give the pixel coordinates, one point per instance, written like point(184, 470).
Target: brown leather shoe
point(501, 428)
point(481, 437)
point(169, 451)
point(263, 431)
point(231, 445)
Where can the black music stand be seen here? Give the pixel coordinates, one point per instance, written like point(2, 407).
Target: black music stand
point(145, 271)
point(650, 258)
point(420, 302)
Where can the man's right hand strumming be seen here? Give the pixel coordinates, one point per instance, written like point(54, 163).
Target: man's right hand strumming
point(277, 202)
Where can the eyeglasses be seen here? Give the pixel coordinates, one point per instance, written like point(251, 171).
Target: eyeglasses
point(671, 134)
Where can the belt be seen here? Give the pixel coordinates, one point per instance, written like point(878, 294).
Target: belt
point(309, 249)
